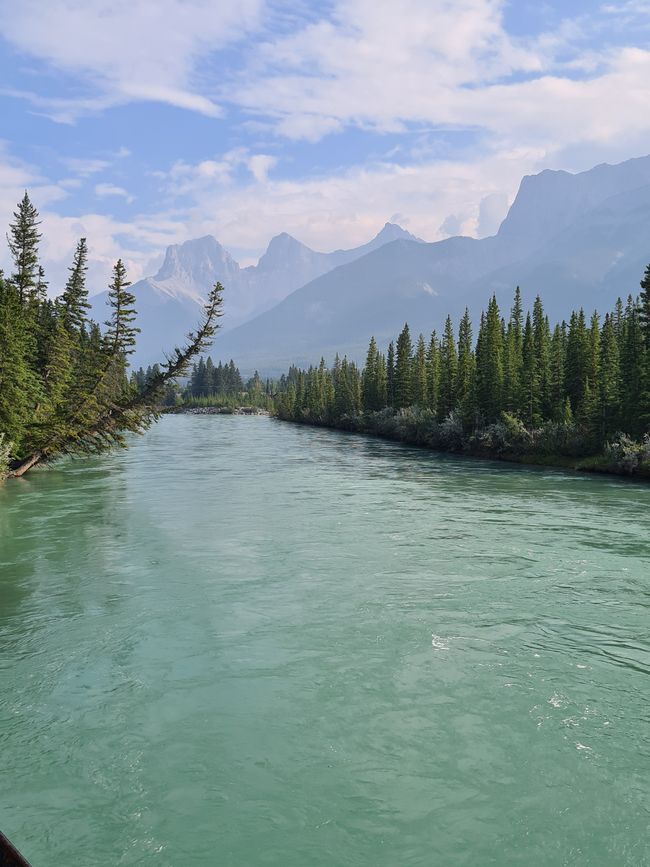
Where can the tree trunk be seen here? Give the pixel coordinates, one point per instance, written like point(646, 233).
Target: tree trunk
point(26, 464)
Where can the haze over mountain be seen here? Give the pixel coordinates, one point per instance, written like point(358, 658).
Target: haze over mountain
point(577, 239)
point(169, 303)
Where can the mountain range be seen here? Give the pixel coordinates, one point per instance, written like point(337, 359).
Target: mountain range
point(576, 239)
point(170, 302)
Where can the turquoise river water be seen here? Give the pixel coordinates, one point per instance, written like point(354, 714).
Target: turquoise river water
point(244, 643)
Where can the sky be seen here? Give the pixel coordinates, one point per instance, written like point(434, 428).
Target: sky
point(140, 123)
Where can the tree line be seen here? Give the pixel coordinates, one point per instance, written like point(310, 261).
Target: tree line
point(574, 386)
point(210, 384)
point(64, 387)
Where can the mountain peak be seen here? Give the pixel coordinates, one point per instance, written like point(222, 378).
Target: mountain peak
point(199, 263)
point(394, 232)
point(553, 199)
point(282, 251)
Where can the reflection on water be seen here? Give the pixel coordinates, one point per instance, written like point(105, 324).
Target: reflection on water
point(247, 643)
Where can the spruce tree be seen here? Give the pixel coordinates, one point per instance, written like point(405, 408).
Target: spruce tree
point(512, 357)
point(557, 386)
point(420, 373)
point(577, 355)
point(542, 338)
point(465, 379)
point(23, 240)
point(529, 378)
point(75, 295)
point(448, 371)
point(489, 365)
point(370, 379)
point(16, 377)
point(404, 370)
point(121, 333)
point(609, 381)
point(433, 373)
point(390, 375)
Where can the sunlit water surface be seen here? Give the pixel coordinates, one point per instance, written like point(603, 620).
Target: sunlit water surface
point(245, 643)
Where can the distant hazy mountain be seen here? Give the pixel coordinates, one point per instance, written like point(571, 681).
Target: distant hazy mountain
point(578, 240)
point(170, 302)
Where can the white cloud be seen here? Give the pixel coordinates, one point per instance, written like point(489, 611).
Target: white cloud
point(260, 165)
point(491, 212)
point(103, 190)
point(448, 64)
point(343, 209)
point(127, 49)
point(85, 166)
point(558, 99)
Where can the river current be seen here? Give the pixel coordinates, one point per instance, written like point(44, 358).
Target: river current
point(244, 643)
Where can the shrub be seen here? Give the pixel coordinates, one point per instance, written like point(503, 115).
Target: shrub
point(5, 452)
point(626, 454)
point(450, 434)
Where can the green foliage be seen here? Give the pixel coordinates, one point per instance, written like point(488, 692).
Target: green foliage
point(5, 452)
point(403, 380)
point(523, 390)
point(23, 240)
point(63, 384)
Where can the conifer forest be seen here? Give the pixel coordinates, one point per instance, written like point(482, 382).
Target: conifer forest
point(522, 389)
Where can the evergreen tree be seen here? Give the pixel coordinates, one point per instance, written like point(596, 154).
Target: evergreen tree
point(557, 387)
point(121, 333)
point(16, 377)
point(529, 378)
point(433, 372)
point(644, 308)
point(489, 365)
point(75, 295)
point(370, 379)
point(390, 375)
point(609, 381)
point(513, 357)
point(23, 240)
point(577, 358)
point(465, 379)
point(542, 340)
point(448, 371)
point(419, 376)
point(403, 385)
point(632, 371)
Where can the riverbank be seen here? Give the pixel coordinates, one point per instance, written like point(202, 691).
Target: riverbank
point(214, 410)
point(625, 458)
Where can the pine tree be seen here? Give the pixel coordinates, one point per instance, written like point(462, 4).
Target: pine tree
point(369, 385)
point(403, 370)
point(609, 381)
point(529, 378)
point(465, 379)
point(448, 372)
point(16, 377)
point(420, 373)
point(542, 338)
point(489, 365)
point(557, 387)
point(577, 352)
point(644, 307)
point(75, 295)
point(512, 357)
point(23, 240)
point(121, 333)
point(390, 375)
point(433, 373)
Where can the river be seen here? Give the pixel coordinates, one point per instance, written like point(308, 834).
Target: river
point(245, 643)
